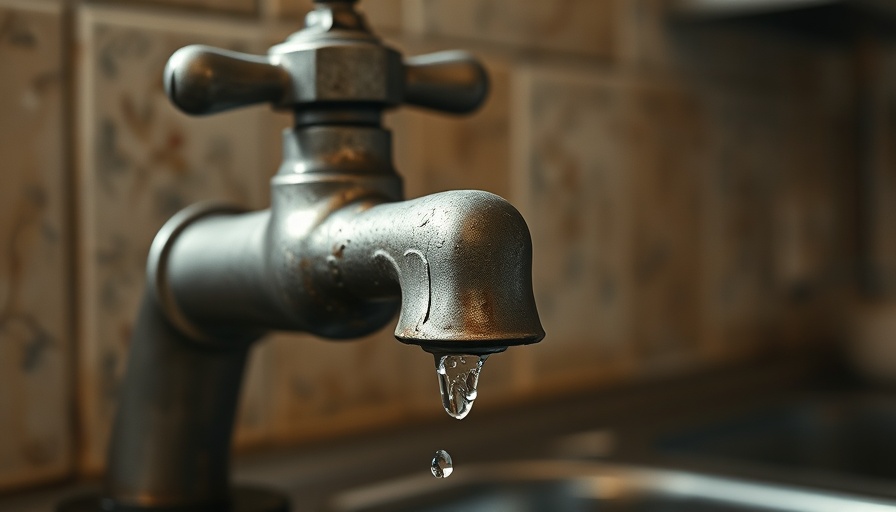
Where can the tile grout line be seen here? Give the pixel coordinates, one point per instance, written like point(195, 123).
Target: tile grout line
point(70, 55)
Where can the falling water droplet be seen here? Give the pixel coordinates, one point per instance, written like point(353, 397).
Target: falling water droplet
point(442, 467)
point(458, 382)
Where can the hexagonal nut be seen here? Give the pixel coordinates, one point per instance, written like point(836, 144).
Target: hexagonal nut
point(356, 72)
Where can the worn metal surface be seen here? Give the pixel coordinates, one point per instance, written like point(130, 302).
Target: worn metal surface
point(336, 255)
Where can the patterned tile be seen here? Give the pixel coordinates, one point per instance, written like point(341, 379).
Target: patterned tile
point(576, 196)
point(771, 105)
point(656, 214)
point(233, 6)
point(664, 163)
point(142, 162)
point(382, 15)
point(881, 198)
point(815, 224)
point(326, 388)
point(745, 139)
point(582, 27)
point(35, 327)
point(654, 39)
point(779, 193)
point(286, 8)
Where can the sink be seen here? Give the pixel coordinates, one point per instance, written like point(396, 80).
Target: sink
point(576, 486)
point(632, 449)
point(843, 436)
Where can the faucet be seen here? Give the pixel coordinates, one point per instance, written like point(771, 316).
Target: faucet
point(337, 254)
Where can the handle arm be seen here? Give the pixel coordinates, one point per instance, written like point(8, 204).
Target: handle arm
point(204, 80)
point(452, 81)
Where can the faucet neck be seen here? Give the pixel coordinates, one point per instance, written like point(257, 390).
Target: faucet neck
point(329, 150)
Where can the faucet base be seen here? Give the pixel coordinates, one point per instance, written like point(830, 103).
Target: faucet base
point(243, 499)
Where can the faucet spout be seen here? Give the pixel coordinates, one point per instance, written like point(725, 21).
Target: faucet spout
point(456, 265)
point(463, 262)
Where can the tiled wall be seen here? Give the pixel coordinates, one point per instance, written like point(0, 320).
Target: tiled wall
point(36, 338)
point(689, 192)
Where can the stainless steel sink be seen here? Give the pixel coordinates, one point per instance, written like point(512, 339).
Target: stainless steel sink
point(844, 436)
point(569, 486)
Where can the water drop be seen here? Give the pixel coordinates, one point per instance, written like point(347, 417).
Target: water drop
point(442, 467)
point(458, 382)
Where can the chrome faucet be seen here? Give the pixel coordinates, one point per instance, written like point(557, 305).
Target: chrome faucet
point(336, 255)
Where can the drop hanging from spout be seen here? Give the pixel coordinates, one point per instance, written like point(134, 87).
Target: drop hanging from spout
point(459, 382)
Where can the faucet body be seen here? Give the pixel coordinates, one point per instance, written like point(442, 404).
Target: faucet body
point(337, 255)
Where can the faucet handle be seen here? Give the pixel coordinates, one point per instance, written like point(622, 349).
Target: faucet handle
point(451, 81)
point(334, 64)
point(205, 80)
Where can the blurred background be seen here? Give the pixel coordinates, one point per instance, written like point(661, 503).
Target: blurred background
point(707, 182)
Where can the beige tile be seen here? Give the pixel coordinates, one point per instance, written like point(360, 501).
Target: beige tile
point(776, 237)
point(229, 6)
point(584, 27)
point(746, 136)
point(382, 15)
point(675, 222)
point(255, 417)
point(769, 102)
point(665, 163)
point(742, 209)
point(651, 207)
point(287, 8)
point(35, 328)
point(142, 161)
point(652, 39)
point(575, 192)
point(326, 388)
